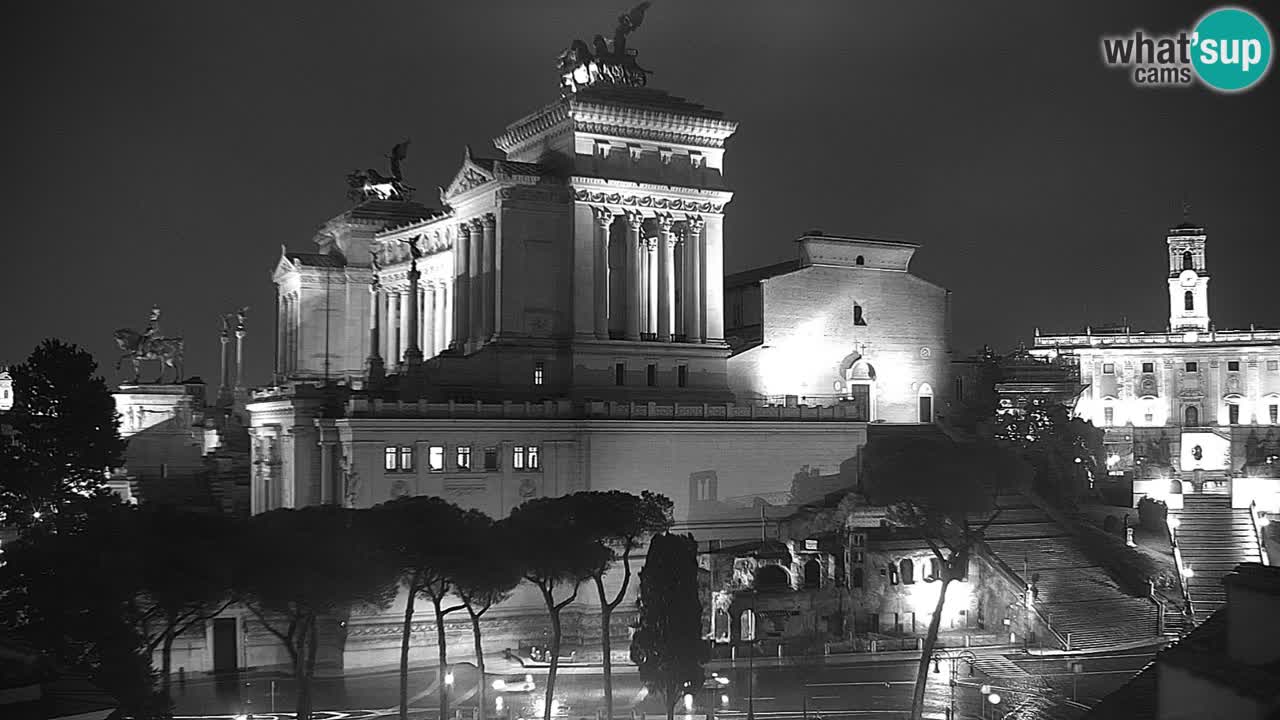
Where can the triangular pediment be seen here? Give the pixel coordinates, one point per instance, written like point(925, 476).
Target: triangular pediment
point(470, 176)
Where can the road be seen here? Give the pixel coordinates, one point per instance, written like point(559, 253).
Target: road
point(1029, 687)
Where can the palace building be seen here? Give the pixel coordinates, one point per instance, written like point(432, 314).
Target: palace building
point(558, 324)
point(1192, 407)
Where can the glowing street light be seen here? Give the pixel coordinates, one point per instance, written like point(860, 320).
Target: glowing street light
point(1173, 522)
point(1187, 572)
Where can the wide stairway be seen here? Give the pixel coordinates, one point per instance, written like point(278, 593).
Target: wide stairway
point(1213, 538)
point(1073, 592)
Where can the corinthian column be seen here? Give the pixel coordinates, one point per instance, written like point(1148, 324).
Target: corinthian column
point(492, 268)
point(375, 367)
point(604, 220)
point(475, 282)
point(666, 277)
point(693, 324)
point(462, 287)
point(634, 269)
point(407, 301)
point(651, 285)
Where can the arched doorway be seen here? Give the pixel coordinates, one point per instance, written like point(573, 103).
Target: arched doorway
point(813, 574)
point(1191, 416)
point(772, 578)
point(747, 625)
point(925, 399)
point(859, 385)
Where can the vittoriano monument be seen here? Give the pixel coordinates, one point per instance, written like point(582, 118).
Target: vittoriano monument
point(149, 345)
point(603, 63)
point(368, 184)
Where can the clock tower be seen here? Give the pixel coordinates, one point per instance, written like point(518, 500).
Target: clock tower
point(1188, 279)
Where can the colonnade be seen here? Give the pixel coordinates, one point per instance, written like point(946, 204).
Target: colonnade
point(390, 311)
point(657, 269)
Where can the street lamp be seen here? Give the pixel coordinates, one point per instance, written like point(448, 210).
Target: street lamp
point(953, 659)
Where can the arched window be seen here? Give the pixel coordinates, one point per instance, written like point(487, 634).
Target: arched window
point(1188, 261)
point(908, 571)
point(857, 316)
point(925, 401)
point(859, 261)
point(747, 629)
point(858, 577)
point(935, 570)
point(772, 577)
point(1191, 416)
point(1188, 300)
point(813, 574)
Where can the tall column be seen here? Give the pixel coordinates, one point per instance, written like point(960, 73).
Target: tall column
point(634, 275)
point(224, 374)
point(326, 469)
point(437, 317)
point(713, 277)
point(393, 327)
point(651, 284)
point(374, 371)
point(446, 310)
point(240, 333)
point(604, 220)
point(666, 277)
point(428, 319)
point(460, 297)
point(492, 310)
point(475, 280)
point(403, 310)
point(693, 325)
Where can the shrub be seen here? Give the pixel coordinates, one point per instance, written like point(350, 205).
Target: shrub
point(1152, 514)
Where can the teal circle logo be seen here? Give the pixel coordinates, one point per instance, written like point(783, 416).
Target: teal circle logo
point(1231, 49)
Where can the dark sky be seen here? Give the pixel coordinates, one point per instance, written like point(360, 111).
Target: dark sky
point(161, 152)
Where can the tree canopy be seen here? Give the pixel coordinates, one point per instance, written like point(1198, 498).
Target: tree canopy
point(65, 434)
point(668, 646)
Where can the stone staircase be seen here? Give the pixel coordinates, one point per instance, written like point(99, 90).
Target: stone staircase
point(1213, 539)
point(1072, 591)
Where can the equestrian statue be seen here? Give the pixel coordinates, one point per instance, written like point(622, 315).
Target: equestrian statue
point(149, 345)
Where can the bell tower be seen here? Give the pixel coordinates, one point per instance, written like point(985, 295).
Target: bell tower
point(1188, 278)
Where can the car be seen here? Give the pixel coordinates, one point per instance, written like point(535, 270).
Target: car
point(515, 684)
point(508, 673)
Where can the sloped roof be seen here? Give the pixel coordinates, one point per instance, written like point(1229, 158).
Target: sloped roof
point(755, 275)
point(500, 167)
point(391, 212)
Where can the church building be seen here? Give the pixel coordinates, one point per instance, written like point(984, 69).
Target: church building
point(1192, 404)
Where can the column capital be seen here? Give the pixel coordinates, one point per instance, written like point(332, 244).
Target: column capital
point(635, 220)
point(666, 223)
point(489, 221)
point(477, 225)
point(464, 229)
point(604, 216)
point(694, 223)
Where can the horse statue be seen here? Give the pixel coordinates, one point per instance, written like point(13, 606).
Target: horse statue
point(137, 347)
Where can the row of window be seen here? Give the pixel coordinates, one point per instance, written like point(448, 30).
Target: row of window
point(1190, 366)
point(400, 458)
point(1192, 417)
point(650, 374)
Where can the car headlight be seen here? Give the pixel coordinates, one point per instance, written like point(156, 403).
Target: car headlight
point(499, 684)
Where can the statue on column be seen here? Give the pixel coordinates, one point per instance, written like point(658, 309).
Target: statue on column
point(148, 345)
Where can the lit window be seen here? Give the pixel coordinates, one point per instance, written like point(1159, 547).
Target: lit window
point(1108, 368)
point(464, 457)
point(1193, 367)
point(682, 375)
point(406, 458)
point(1233, 365)
point(1149, 416)
point(1274, 412)
point(1148, 367)
point(490, 458)
point(1108, 416)
point(1188, 301)
point(525, 457)
point(651, 375)
point(389, 458)
point(435, 458)
point(537, 373)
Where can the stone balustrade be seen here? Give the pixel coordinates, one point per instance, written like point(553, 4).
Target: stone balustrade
point(596, 410)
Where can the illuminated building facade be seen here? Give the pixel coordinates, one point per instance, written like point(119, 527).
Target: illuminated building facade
point(844, 324)
point(1192, 403)
point(558, 325)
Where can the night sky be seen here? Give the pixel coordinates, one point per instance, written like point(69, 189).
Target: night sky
point(161, 152)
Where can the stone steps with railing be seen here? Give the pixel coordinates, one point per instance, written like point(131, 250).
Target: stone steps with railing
point(1213, 538)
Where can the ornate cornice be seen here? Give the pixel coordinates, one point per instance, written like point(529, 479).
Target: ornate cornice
point(620, 120)
point(648, 202)
point(532, 125)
